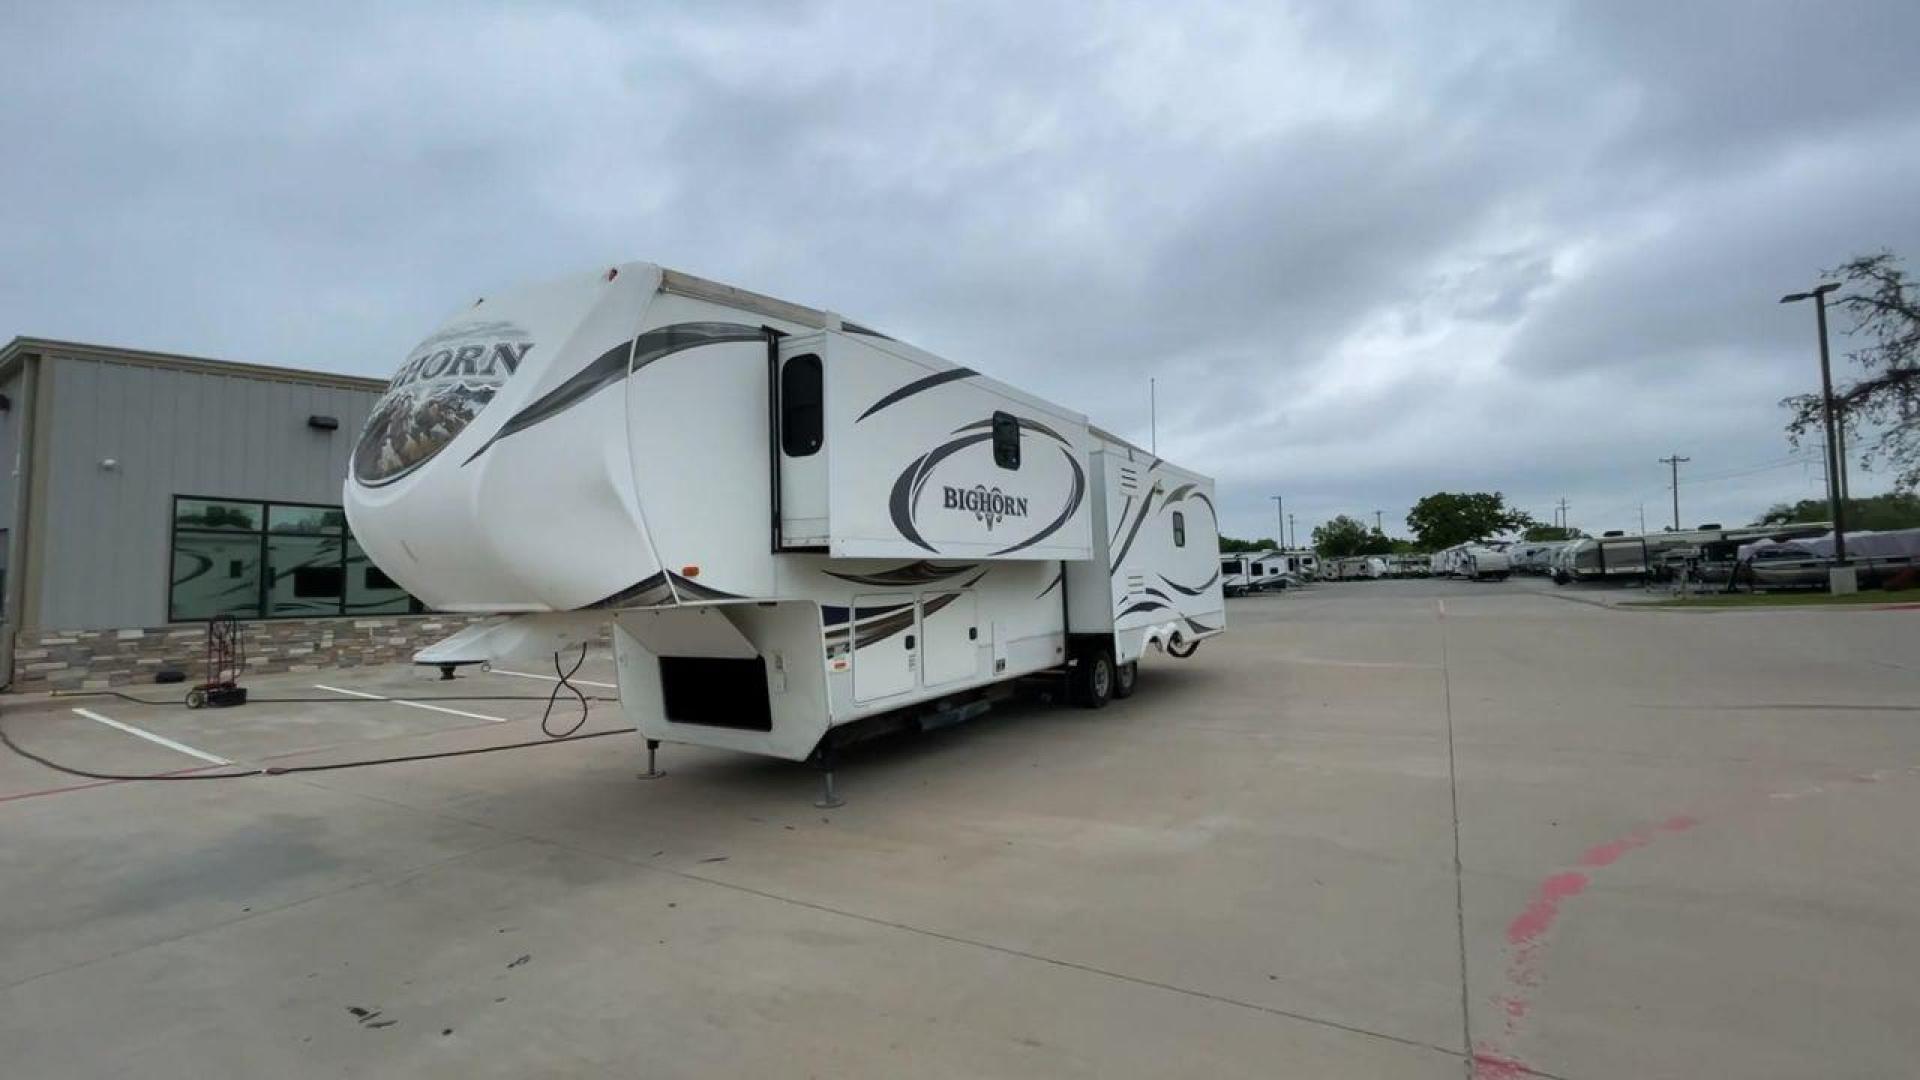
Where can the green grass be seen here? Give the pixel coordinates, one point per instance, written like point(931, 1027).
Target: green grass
point(1798, 598)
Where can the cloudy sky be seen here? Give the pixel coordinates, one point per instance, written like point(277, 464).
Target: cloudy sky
point(1369, 251)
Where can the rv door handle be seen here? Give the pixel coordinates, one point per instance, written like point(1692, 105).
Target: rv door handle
point(909, 641)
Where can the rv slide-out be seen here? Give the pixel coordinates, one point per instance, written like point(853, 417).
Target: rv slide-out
point(790, 523)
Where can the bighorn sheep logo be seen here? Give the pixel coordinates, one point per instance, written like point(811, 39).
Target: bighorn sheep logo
point(989, 505)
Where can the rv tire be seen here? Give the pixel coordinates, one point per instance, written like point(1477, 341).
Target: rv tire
point(1093, 679)
point(1124, 679)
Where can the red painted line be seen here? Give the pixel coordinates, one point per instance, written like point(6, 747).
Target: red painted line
point(384, 738)
point(1540, 913)
point(58, 790)
point(1491, 1066)
point(99, 783)
point(1527, 933)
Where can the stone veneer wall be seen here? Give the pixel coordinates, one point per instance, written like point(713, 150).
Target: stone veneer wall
point(97, 659)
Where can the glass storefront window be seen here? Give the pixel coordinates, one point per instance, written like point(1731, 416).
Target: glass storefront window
point(369, 590)
point(304, 576)
point(212, 514)
point(215, 574)
point(330, 520)
point(272, 560)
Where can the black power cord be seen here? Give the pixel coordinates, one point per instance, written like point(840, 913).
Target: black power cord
point(6, 738)
point(563, 684)
point(569, 735)
point(328, 700)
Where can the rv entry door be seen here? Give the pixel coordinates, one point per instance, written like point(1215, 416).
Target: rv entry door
point(799, 435)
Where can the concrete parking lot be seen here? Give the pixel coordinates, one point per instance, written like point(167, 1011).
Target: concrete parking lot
point(1395, 829)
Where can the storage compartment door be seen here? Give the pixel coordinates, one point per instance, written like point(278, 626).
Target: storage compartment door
point(886, 632)
point(951, 650)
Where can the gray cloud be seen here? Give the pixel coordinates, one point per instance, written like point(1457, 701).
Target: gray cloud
point(1368, 250)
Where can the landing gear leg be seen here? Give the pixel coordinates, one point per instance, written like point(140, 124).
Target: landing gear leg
point(446, 672)
point(823, 760)
point(653, 769)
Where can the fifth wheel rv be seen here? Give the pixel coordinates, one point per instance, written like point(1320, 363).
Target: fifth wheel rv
point(799, 530)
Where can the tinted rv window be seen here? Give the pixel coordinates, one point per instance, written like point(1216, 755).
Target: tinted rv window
point(803, 419)
point(1180, 534)
point(1006, 441)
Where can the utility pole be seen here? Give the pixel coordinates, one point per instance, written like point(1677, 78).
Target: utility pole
point(1280, 516)
point(1376, 522)
point(1836, 499)
point(1292, 539)
point(1153, 416)
point(1676, 461)
point(1560, 513)
point(1643, 519)
point(1840, 445)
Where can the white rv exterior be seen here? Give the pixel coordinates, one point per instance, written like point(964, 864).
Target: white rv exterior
point(792, 523)
point(1475, 562)
point(1236, 573)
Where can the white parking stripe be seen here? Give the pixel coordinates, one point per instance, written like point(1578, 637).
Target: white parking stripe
point(411, 704)
point(160, 740)
point(549, 678)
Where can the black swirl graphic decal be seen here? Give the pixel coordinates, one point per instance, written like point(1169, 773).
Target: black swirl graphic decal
point(1197, 590)
point(615, 365)
point(915, 387)
point(915, 573)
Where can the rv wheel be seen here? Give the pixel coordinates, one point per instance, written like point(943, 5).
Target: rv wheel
point(1124, 678)
point(1094, 679)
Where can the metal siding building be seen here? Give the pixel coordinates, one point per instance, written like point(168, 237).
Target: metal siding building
point(100, 441)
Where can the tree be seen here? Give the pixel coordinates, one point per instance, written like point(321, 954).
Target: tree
point(1445, 518)
point(1884, 309)
point(1895, 510)
point(1342, 537)
point(1542, 534)
point(1230, 545)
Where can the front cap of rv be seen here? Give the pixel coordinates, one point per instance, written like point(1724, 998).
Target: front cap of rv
point(494, 473)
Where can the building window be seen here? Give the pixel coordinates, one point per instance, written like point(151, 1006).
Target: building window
point(1180, 535)
point(1006, 441)
point(803, 418)
point(273, 560)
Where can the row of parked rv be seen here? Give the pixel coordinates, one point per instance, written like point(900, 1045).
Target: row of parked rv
point(1265, 571)
point(1761, 557)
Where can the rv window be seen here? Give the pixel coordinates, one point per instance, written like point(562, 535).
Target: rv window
point(1006, 441)
point(802, 415)
point(1180, 534)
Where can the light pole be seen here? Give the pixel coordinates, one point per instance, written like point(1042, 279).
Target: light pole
point(1280, 516)
point(1676, 461)
point(1153, 416)
point(1293, 540)
point(1376, 521)
point(1835, 500)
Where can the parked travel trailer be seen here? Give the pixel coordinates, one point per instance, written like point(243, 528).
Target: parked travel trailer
point(795, 526)
point(1618, 556)
point(1475, 562)
point(1532, 557)
point(1268, 571)
point(1236, 574)
point(1803, 562)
